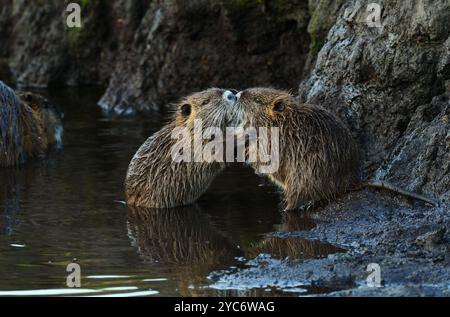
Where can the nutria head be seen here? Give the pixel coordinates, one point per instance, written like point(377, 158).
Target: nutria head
point(262, 107)
point(154, 178)
point(318, 157)
point(213, 106)
point(35, 101)
point(44, 112)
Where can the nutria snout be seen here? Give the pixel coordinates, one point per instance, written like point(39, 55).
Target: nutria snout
point(229, 97)
point(154, 179)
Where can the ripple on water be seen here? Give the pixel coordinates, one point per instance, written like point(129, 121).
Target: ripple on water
point(62, 210)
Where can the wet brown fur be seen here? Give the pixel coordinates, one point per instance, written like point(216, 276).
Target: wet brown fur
point(318, 157)
point(25, 127)
point(181, 235)
point(154, 180)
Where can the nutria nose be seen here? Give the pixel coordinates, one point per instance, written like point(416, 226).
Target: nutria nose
point(229, 97)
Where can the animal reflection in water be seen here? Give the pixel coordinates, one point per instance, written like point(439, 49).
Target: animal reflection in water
point(185, 239)
point(182, 237)
point(289, 246)
point(10, 195)
point(292, 248)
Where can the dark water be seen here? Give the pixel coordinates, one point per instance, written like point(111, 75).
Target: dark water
point(63, 210)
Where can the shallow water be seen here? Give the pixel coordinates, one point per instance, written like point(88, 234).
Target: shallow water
point(64, 210)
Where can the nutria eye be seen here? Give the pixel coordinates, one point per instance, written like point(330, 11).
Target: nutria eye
point(186, 109)
point(204, 103)
point(28, 97)
point(278, 106)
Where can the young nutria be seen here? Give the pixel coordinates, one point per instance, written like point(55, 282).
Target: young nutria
point(27, 126)
point(318, 158)
point(154, 179)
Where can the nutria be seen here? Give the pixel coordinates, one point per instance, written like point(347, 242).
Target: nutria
point(154, 179)
point(50, 116)
point(318, 157)
point(28, 126)
point(183, 238)
point(181, 235)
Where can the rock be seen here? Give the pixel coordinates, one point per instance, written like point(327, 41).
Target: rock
point(5, 73)
point(43, 51)
point(179, 48)
point(323, 16)
point(389, 84)
point(150, 52)
point(431, 238)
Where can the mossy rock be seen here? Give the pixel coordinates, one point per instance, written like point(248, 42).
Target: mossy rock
point(77, 37)
point(323, 15)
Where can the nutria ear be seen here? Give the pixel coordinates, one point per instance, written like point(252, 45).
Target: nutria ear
point(186, 109)
point(278, 105)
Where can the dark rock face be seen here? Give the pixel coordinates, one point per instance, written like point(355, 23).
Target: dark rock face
point(421, 158)
point(43, 51)
point(383, 82)
point(150, 52)
point(181, 47)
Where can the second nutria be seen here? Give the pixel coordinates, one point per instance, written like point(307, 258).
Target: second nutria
point(28, 126)
point(318, 157)
point(154, 179)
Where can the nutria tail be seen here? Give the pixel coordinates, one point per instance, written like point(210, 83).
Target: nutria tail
point(391, 187)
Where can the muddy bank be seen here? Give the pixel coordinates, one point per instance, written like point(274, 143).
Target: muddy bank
point(410, 242)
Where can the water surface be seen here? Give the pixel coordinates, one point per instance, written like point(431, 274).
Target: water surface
point(64, 210)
